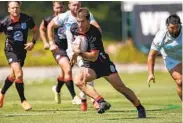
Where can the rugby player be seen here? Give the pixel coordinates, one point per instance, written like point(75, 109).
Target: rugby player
point(98, 64)
point(169, 43)
point(16, 26)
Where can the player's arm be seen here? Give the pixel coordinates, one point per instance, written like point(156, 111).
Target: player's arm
point(90, 56)
point(50, 31)
point(29, 46)
point(35, 31)
point(155, 48)
point(151, 61)
point(42, 30)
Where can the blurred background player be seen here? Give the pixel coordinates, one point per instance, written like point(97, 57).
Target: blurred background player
point(67, 19)
point(98, 64)
point(60, 55)
point(16, 26)
point(169, 43)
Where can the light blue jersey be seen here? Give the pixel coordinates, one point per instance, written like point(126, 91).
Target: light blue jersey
point(169, 47)
point(67, 19)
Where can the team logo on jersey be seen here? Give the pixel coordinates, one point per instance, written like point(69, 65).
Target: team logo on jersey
point(112, 68)
point(23, 25)
point(18, 36)
point(57, 57)
point(10, 60)
point(61, 33)
point(9, 28)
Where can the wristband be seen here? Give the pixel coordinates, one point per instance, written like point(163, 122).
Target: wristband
point(33, 41)
point(51, 42)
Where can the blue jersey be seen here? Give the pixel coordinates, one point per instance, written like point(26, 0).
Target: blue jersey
point(167, 45)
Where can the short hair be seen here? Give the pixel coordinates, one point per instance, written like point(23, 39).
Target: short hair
point(83, 12)
point(70, 1)
point(19, 2)
point(173, 19)
point(59, 2)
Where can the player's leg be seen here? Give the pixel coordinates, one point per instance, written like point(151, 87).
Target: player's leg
point(176, 74)
point(83, 97)
point(7, 84)
point(94, 103)
point(16, 66)
point(118, 84)
point(80, 80)
point(57, 88)
point(66, 67)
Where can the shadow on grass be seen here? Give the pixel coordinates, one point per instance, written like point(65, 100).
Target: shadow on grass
point(128, 118)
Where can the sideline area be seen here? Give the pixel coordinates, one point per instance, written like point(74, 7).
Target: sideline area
point(52, 71)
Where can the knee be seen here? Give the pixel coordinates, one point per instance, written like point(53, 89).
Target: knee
point(18, 74)
point(67, 71)
point(78, 82)
point(179, 83)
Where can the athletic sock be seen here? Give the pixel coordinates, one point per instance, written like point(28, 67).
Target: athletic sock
point(8, 82)
point(60, 83)
point(70, 87)
point(20, 89)
point(100, 99)
point(83, 100)
point(139, 107)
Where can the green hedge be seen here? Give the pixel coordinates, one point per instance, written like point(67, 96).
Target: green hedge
point(124, 53)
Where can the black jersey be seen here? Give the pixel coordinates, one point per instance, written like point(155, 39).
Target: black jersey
point(16, 32)
point(59, 33)
point(94, 42)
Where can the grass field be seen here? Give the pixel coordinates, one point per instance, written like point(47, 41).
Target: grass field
point(161, 102)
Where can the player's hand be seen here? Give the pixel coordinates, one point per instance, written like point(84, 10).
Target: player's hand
point(46, 46)
point(76, 49)
point(53, 47)
point(73, 59)
point(150, 78)
point(29, 46)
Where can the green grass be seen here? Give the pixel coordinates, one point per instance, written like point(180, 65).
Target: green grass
point(161, 102)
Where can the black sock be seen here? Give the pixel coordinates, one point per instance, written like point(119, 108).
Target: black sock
point(70, 87)
point(139, 107)
point(59, 85)
point(20, 89)
point(83, 100)
point(100, 99)
point(7, 84)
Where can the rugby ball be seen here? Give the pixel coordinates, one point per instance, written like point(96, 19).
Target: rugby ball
point(81, 42)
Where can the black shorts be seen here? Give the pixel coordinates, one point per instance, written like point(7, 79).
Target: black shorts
point(104, 68)
point(13, 56)
point(59, 54)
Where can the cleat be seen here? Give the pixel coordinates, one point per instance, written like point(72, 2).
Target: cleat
point(1, 100)
point(103, 106)
point(141, 112)
point(26, 106)
point(83, 106)
point(57, 95)
point(95, 105)
point(76, 100)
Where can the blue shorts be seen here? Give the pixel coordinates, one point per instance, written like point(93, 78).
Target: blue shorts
point(171, 63)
